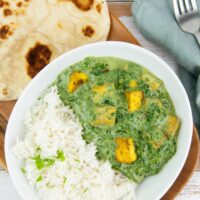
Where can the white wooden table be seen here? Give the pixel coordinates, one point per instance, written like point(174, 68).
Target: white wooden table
point(121, 8)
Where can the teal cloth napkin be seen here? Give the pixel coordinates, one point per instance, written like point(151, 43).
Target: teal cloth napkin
point(156, 21)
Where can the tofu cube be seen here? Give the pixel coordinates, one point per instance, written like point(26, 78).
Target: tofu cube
point(105, 116)
point(173, 124)
point(153, 82)
point(125, 150)
point(76, 79)
point(134, 99)
point(133, 84)
point(149, 101)
point(155, 138)
point(100, 92)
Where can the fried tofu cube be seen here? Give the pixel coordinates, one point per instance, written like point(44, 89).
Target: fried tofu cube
point(173, 124)
point(149, 101)
point(153, 82)
point(155, 138)
point(76, 79)
point(125, 150)
point(134, 100)
point(100, 92)
point(105, 116)
point(100, 89)
point(133, 84)
point(157, 144)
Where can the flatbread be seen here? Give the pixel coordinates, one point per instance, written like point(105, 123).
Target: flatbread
point(34, 32)
point(76, 24)
point(27, 58)
point(18, 18)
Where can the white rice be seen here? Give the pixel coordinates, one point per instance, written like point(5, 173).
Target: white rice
point(52, 126)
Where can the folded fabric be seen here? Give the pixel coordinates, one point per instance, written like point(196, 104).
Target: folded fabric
point(156, 21)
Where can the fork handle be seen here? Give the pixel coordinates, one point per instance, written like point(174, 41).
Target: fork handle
point(197, 35)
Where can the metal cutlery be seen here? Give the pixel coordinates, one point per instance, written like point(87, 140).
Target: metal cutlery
point(188, 16)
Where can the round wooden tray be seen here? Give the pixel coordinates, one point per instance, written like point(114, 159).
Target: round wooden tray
point(117, 33)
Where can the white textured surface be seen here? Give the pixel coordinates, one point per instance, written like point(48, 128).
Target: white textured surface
point(7, 190)
point(191, 190)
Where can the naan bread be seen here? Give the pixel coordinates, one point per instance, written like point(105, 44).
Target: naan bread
point(26, 58)
point(75, 26)
point(18, 18)
point(34, 32)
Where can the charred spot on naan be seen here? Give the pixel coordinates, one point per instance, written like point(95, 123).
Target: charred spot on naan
point(3, 3)
point(19, 12)
point(99, 8)
point(60, 25)
point(7, 12)
point(22, 4)
point(19, 4)
point(5, 91)
point(88, 31)
point(5, 32)
point(84, 5)
point(37, 58)
point(17, 9)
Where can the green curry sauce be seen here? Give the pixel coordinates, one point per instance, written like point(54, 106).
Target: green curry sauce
point(148, 126)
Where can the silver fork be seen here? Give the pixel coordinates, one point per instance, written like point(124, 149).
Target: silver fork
point(188, 16)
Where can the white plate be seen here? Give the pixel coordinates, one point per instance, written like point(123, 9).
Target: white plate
point(151, 188)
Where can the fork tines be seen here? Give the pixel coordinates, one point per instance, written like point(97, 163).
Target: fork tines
point(184, 6)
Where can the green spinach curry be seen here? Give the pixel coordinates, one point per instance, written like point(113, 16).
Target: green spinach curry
point(125, 110)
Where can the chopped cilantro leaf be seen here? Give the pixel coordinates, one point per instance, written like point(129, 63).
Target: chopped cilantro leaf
point(49, 162)
point(39, 178)
point(85, 190)
point(65, 180)
point(77, 160)
point(49, 185)
point(60, 155)
point(39, 162)
point(23, 170)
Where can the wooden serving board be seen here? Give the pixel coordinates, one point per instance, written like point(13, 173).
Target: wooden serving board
point(118, 32)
